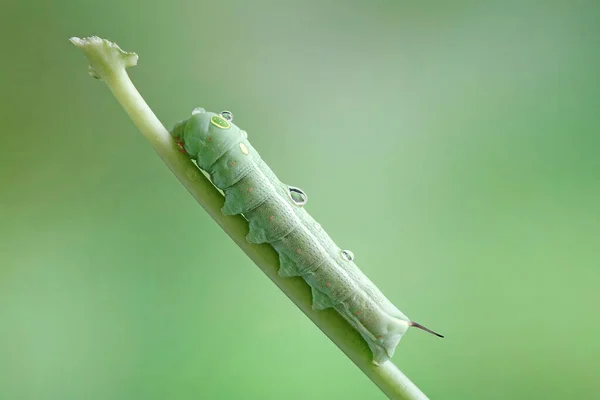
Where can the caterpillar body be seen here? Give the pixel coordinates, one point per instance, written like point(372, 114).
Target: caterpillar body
point(276, 216)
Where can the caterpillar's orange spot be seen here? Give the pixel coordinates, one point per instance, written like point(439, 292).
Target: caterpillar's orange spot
point(249, 189)
point(298, 251)
point(210, 138)
point(272, 217)
point(357, 312)
point(233, 163)
point(328, 284)
point(379, 336)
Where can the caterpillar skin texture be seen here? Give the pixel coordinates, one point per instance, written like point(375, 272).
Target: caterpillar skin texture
point(276, 216)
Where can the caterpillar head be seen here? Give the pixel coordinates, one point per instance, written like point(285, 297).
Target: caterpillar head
point(205, 136)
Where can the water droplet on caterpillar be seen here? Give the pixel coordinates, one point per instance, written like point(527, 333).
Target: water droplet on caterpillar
point(228, 115)
point(348, 255)
point(298, 196)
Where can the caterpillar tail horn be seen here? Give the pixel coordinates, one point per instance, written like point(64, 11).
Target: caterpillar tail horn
point(416, 325)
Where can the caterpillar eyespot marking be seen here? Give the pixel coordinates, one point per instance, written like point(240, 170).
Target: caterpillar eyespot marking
point(276, 216)
point(219, 122)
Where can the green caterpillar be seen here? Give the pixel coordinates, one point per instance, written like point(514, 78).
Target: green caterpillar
point(276, 216)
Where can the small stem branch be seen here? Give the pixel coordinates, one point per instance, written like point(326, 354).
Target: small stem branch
point(108, 63)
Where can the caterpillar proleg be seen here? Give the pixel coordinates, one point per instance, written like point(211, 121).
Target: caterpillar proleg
point(276, 215)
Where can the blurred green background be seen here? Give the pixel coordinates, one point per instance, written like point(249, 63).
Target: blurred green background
point(453, 146)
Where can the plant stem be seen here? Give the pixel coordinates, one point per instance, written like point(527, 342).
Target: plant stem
point(108, 63)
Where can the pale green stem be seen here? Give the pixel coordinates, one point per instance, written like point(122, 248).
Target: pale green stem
point(108, 63)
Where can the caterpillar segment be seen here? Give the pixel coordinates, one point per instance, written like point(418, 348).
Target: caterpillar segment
point(276, 216)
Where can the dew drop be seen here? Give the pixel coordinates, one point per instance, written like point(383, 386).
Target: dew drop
point(348, 255)
point(228, 115)
point(298, 196)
